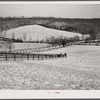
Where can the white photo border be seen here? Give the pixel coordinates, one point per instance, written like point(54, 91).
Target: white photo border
point(50, 94)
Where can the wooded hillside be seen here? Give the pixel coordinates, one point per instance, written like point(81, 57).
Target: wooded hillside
point(83, 26)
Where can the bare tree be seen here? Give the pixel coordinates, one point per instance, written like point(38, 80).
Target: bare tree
point(24, 37)
point(98, 37)
point(37, 39)
point(13, 35)
point(92, 33)
point(9, 45)
point(30, 39)
point(4, 34)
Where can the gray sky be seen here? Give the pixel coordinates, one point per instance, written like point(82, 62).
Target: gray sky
point(51, 10)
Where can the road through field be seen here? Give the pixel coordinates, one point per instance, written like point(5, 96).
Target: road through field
point(80, 70)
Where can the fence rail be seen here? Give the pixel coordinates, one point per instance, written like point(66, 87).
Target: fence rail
point(28, 56)
point(90, 42)
point(42, 49)
point(36, 50)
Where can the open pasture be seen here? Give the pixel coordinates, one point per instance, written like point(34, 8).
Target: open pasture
point(29, 45)
point(80, 70)
point(18, 46)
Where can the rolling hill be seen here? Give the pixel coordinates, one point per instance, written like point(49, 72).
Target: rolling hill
point(38, 32)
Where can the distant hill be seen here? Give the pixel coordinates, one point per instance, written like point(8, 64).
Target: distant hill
point(35, 32)
point(83, 26)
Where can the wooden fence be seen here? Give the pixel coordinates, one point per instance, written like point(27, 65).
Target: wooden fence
point(36, 50)
point(6, 56)
point(41, 49)
point(90, 42)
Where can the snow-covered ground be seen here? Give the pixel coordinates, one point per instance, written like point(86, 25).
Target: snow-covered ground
point(29, 45)
point(80, 70)
point(18, 46)
point(38, 32)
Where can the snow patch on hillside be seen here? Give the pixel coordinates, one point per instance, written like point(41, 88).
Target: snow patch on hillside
point(40, 32)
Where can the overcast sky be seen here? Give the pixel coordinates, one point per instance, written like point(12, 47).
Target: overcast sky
point(51, 10)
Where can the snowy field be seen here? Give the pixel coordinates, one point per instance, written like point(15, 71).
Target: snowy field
point(79, 71)
point(29, 45)
point(25, 46)
point(40, 32)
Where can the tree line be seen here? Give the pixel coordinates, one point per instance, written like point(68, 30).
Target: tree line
point(83, 26)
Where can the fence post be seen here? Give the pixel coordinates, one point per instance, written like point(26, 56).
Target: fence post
point(38, 57)
point(14, 57)
point(45, 56)
point(33, 56)
point(55, 56)
point(6, 56)
point(42, 57)
point(22, 56)
point(27, 56)
point(52, 56)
